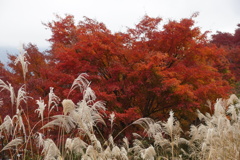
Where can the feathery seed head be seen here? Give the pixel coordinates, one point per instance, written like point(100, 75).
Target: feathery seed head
point(126, 143)
point(232, 110)
point(41, 108)
point(7, 125)
point(150, 127)
point(22, 96)
point(23, 60)
point(80, 82)
point(50, 149)
point(219, 108)
point(116, 151)
point(89, 95)
point(8, 87)
point(148, 153)
point(112, 118)
point(68, 106)
point(52, 99)
point(63, 121)
point(13, 143)
point(233, 99)
point(169, 125)
point(75, 145)
point(68, 144)
point(40, 140)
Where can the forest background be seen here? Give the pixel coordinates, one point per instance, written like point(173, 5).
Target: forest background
point(146, 71)
point(143, 72)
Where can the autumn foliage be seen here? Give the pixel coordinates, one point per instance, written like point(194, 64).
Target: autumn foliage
point(143, 72)
point(231, 44)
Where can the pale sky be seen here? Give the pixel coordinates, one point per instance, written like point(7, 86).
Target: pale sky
point(21, 20)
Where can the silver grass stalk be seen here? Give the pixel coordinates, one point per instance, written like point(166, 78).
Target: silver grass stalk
point(209, 104)
point(86, 157)
point(7, 125)
point(194, 133)
point(219, 108)
point(41, 108)
point(202, 117)
point(91, 152)
point(126, 143)
point(111, 141)
point(218, 130)
point(50, 150)
point(19, 123)
point(95, 143)
point(123, 154)
point(89, 95)
point(233, 99)
point(137, 145)
point(63, 121)
point(137, 135)
point(68, 106)
point(173, 129)
point(98, 105)
point(150, 127)
point(23, 60)
point(233, 104)
point(52, 100)
point(82, 126)
point(144, 122)
point(3, 85)
point(22, 96)
point(183, 141)
point(112, 118)
point(40, 140)
point(86, 116)
point(8, 87)
point(137, 148)
point(69, 145)
point(116, 152)
point(13, 143)
point(148, 153)
point(232, 110)
point(75, 145)
point(12, 94)
point(159, 140)
point(168, 126)
point(80, 82)
point(86, 113)
point(97, 118)
point(107, 153)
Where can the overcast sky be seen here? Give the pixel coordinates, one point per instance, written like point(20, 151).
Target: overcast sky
point(21, 20)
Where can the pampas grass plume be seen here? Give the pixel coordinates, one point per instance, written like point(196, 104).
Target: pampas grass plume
point(68, 106)
point(52, 99)
point(50, 150)
point(23, 60)
point(13, 143)
point(41, 108)
point(7, 125)
point(148, 153)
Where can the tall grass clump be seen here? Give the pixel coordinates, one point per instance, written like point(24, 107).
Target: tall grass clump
point(218, 135)
point(80, 135)
point(77, 132)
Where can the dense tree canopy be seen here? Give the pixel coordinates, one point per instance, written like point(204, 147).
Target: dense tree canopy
point(231, 43)
point(148, 70)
